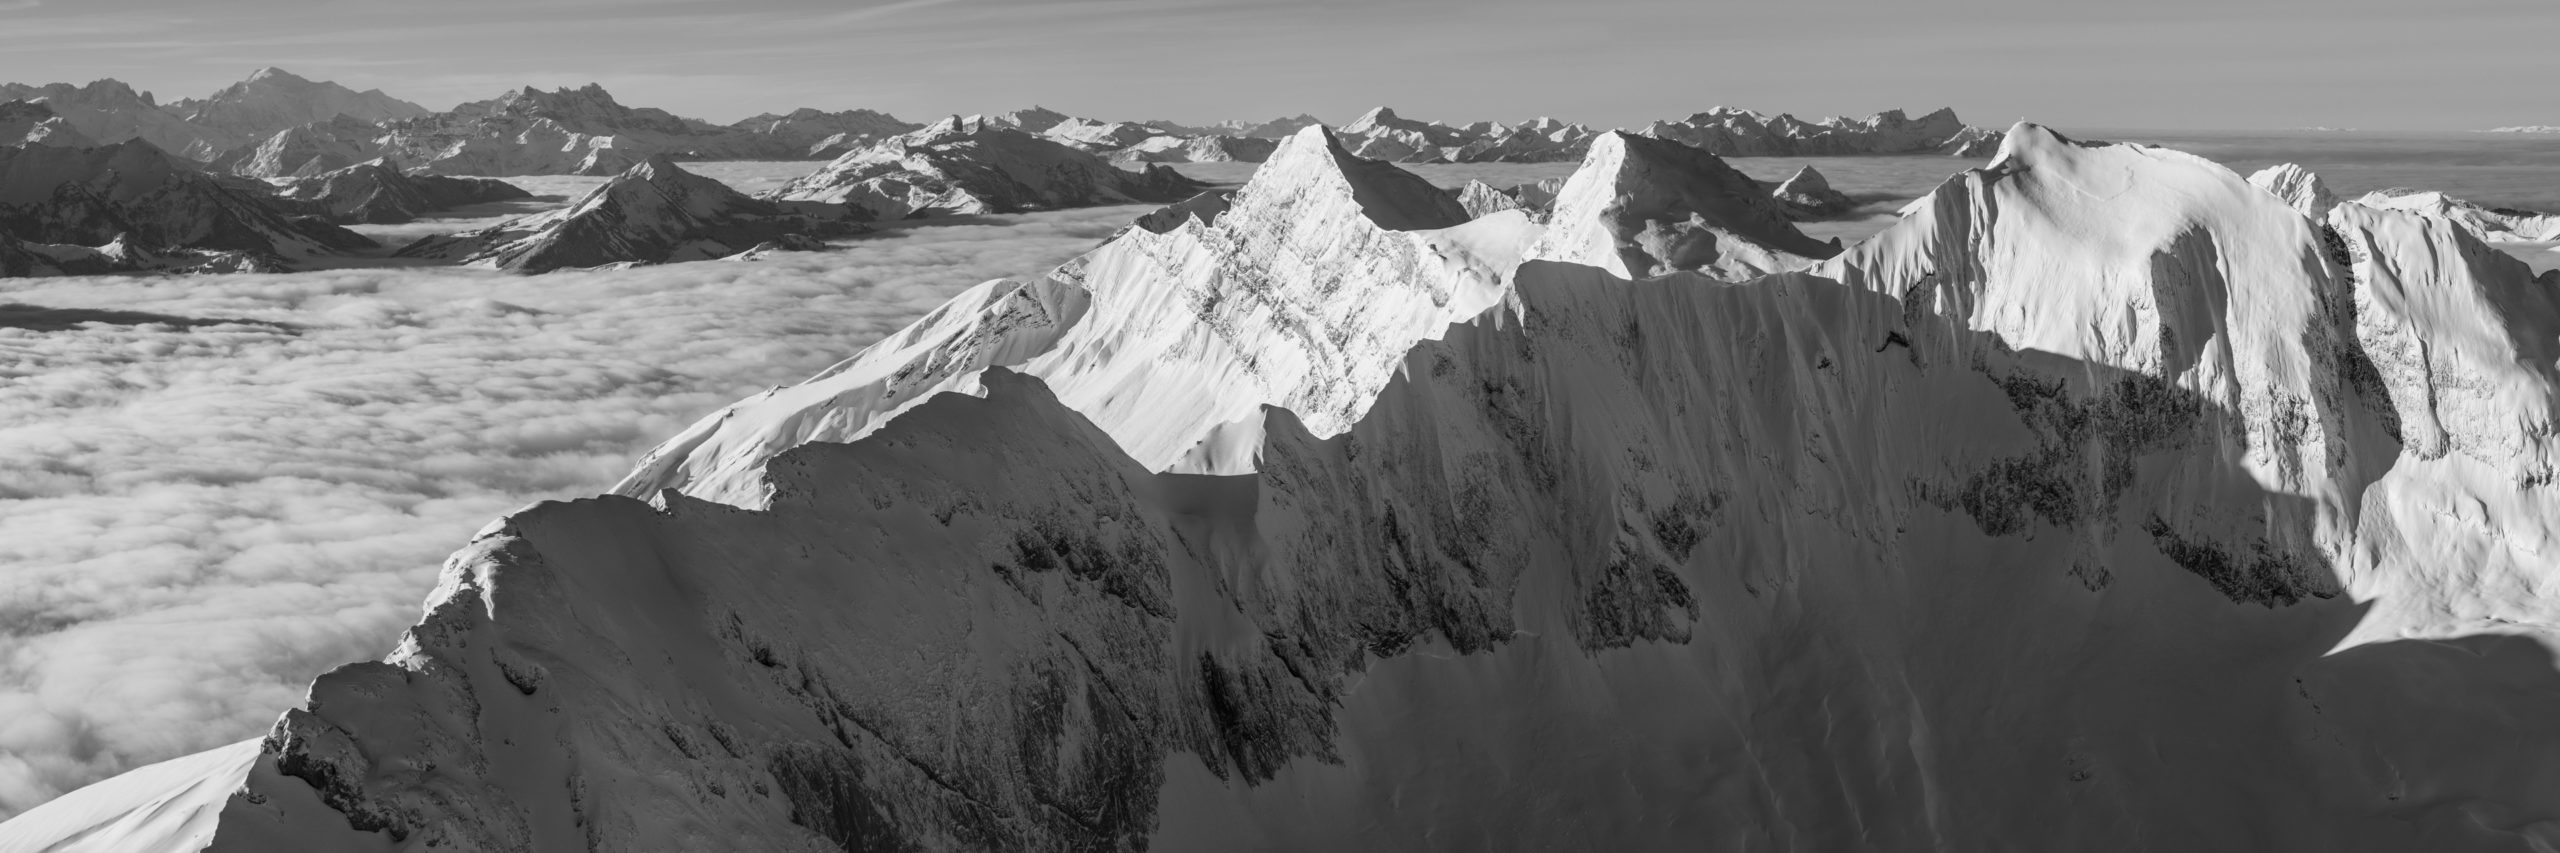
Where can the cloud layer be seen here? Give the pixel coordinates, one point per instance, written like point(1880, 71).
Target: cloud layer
point(196, 519)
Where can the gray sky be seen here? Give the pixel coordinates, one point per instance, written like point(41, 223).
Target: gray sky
point(2371, 64)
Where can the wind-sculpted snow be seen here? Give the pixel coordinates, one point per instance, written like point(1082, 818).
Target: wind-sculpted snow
point(2089, 508)
point(1304, 292)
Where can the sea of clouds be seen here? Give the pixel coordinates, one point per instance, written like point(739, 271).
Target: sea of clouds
point(214, 489)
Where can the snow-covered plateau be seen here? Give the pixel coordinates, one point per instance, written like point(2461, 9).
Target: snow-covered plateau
point(2105, 500)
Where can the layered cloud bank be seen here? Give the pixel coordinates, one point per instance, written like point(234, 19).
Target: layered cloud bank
point(212, 489)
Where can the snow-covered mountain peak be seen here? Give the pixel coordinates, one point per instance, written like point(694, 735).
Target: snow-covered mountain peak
point(1313, 160)
point(272, 100)
point(1641, 206)
point(2298, 187)
point(1302, 293)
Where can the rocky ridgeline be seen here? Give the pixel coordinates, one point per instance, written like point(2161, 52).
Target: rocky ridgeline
point(2103, 490)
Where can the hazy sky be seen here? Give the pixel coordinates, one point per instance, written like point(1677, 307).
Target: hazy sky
point(2373, 64)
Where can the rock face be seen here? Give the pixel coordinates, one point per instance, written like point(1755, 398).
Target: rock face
point(653, 213)
point(273, 100)
point(1808, 195)
point(305, 150)
point(2495, 224)
point(109, 111)
point(970, 166)
point(1642, 207)
point(33, 123)
point(134, 192)
point(1481, 199)
point(377, 192)
point(2104, 499)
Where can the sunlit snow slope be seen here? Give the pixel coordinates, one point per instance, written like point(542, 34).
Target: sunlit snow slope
point(2106, 502)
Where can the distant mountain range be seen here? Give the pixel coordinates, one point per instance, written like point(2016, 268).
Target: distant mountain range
point(261, 174)
point(276, 124)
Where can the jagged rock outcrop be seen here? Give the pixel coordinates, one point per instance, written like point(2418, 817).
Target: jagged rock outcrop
point(1972, 143)
point(2084, 508)
point(1641, 206)
point(1808, 195)
point(378, 192)
point(108, 111)
point(1480, 199)
point(2298, 187)
point(306, 150)
point(1538, 140)
point(132, 191)
point(273, 100)
point(33, 123)
point(2495, 224)
point(653, 213)
point(968, 166)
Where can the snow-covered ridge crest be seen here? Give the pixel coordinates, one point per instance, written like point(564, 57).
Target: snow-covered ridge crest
point(2029, 463)
point(1304, 294)
point(2298, 186)
point(2150, 260)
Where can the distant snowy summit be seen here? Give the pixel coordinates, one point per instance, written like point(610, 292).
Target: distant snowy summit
point(2526, 128)
point(979, 164)
point(1384, 134)
point(277, 124)
point(654, 212)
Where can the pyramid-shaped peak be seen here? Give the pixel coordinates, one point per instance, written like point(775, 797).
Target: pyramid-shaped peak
point(1312, 161)
point(272, 73)
point(1805, 180)
point(656, 166)
point(1641, 206)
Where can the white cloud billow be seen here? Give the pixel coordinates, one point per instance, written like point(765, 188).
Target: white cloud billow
point(195, 521)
